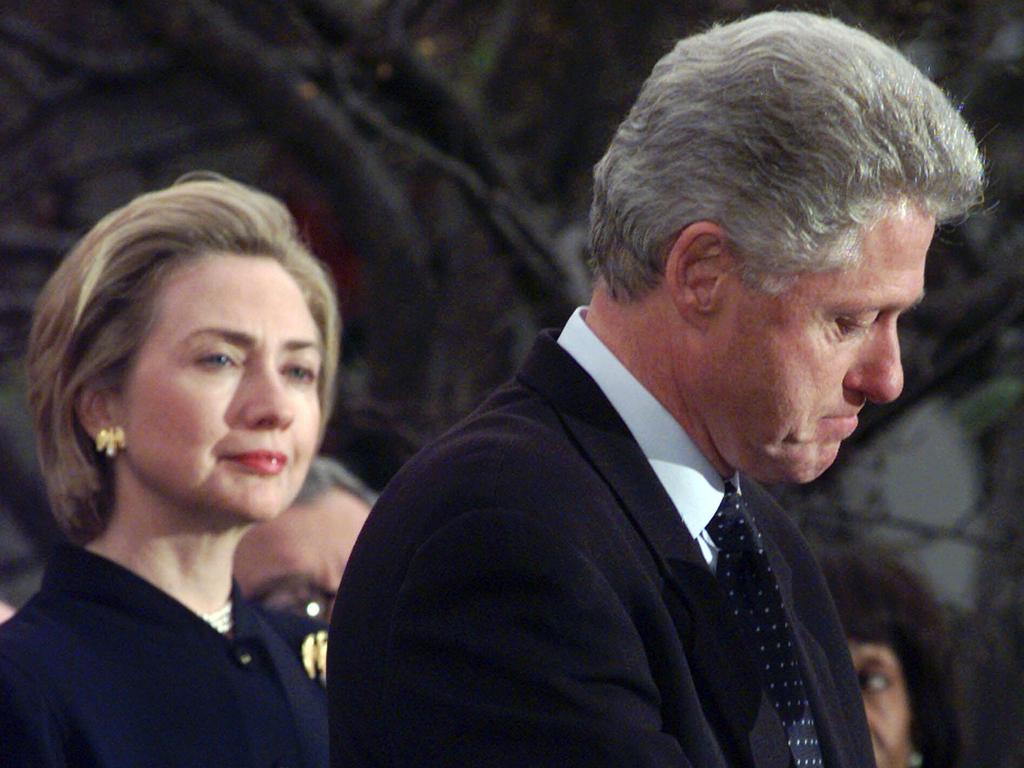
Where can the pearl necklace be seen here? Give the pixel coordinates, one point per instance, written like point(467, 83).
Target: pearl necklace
point(221, 619)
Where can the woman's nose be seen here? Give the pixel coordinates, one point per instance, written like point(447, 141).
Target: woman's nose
point(267, 403)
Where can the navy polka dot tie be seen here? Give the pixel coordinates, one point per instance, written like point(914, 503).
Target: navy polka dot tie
point(754, 597)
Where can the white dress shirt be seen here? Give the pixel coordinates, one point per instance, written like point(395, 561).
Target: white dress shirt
point(695, 487)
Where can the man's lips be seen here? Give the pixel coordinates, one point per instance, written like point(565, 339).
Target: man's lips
point(841, 427)
point(261, 462)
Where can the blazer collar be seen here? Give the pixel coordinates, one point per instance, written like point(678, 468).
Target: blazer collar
point(719, 662)
point(688, 478)
point(86, 576)
point(608, 445)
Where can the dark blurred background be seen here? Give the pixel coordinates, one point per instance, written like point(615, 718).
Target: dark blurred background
point(437, 154)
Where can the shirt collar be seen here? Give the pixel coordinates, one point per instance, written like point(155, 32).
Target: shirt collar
point(689, 479)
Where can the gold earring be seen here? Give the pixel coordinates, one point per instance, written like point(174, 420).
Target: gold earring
point(110, 441)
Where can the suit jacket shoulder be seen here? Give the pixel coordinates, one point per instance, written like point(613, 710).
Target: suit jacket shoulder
point(524, 593)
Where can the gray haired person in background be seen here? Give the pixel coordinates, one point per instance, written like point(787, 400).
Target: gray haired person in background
point(587, 571)
point(295, 561)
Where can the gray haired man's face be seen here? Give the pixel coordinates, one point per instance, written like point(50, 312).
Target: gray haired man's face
point(791, 372)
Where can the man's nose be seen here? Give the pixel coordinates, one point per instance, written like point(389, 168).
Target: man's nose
point(878, 372)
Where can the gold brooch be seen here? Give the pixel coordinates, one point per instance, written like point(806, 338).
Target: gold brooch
point(314, 656)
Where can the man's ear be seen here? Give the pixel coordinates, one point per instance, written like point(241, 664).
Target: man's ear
point(696, 268)
point(98, 408)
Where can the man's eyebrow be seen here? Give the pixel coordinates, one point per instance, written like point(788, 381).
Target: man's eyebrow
point(901, 309)
point(867, 306)
point(248, 341)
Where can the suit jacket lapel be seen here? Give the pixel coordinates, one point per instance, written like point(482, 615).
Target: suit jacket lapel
point(722, 667)
point(606, 442)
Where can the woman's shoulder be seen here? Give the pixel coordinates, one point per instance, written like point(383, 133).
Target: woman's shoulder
point(36, 649)
point(36, 631)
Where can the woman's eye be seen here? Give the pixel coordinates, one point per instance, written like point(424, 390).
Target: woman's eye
point(216, 360)
point(302, 374)
point(873, 682)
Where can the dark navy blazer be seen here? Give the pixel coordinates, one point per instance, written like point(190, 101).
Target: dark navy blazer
point(102, 669)
point(525, 594)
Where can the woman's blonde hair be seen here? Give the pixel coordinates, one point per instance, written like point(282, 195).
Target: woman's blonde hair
point(96, 310)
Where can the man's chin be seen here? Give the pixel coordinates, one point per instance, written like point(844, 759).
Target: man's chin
point(796, 464)
point(811, 470)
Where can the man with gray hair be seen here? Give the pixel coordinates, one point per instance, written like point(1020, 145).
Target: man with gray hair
point(586, 571)
point(295, 561)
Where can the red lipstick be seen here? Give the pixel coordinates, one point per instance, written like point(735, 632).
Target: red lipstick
point(262, 462)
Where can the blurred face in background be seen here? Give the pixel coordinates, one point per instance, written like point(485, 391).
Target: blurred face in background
point(886, 702)
point(295, 562)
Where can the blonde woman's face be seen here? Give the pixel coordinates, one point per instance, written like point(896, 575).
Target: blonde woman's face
point(220, 409)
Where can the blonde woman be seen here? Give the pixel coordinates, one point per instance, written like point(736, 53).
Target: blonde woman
point(181, 365)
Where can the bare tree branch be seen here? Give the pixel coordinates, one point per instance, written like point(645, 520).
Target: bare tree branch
point(438, 110)
point(377, 217)
point(30, 77)
point(538, 258)
point(116, 64)
point(470, 158)
point(924, 532)
point(32, 243)
point(1008, 295)
point(25, 169)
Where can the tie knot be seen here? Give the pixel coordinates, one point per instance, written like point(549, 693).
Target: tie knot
point(731, 528)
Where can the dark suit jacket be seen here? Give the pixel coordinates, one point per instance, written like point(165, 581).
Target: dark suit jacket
point(525, 594)
point(103, 670)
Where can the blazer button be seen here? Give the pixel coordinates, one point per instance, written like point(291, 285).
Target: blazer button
point(243, 656)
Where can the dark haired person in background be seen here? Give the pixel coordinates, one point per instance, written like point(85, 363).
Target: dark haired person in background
point(902, 655)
